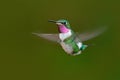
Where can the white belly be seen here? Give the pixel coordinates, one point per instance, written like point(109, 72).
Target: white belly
point(63, 36)
point(68, 49)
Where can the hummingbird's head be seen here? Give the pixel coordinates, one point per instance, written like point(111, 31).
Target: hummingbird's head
point(63, 25)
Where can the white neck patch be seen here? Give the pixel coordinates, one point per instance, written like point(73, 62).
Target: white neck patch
point(63, 36)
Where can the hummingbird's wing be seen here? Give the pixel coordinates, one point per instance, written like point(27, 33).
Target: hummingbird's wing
point(90, 34)
point(51, 37)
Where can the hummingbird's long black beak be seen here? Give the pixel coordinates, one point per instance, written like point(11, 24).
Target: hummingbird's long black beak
point(52, 21)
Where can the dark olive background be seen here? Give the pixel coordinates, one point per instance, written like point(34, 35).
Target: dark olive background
point(24, 56)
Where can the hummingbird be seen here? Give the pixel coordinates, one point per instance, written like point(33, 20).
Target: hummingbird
point(71, 42)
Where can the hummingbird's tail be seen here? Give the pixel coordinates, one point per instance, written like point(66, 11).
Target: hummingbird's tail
point(83, 47)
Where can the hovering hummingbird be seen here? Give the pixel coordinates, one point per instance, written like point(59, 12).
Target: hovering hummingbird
point(68, 39)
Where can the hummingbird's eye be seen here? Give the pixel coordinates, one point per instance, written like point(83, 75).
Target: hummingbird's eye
point(64, 23)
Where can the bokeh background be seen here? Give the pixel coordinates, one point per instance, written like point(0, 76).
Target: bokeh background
point(24, 56)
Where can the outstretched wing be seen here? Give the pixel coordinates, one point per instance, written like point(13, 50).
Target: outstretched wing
point(51, 37)
point(91, 34)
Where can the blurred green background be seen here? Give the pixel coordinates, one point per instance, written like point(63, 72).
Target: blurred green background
point(24, 56)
